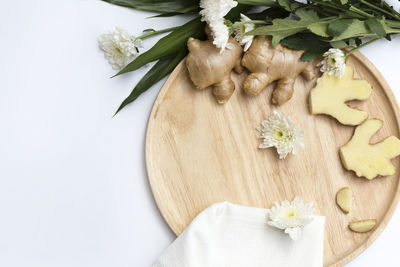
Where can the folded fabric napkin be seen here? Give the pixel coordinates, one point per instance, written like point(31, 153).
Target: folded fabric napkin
point(229, 235)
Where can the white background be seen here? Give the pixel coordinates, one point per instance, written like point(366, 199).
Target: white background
point(73, 185)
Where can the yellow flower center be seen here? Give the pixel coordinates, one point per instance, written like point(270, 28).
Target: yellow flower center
point(290, 214)
point(278, 134)
point(118, 50)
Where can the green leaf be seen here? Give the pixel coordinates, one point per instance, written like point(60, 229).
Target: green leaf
point(159, 6)
point(337, 27)
point(169, 14)
point(305, 41)
point(269, 14)
point(313, 47)
point(319, 28)
point(176, 41)
point(307, 14)
point(339, 44)
point(280, 29)
point(344, 2)
point(162, 68)
point(376, 26)
point(310, 55)
point(234, 14)
point(357, 28)
point(166, 64)
point(289, 5)
point(168, 45)
point(352, 41)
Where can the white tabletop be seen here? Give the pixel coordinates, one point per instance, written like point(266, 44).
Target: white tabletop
point(73, 185)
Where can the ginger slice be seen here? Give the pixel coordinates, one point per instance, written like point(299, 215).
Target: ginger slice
point(331, 93)
point(362, 226)
point(370, 160)
point(343, 199)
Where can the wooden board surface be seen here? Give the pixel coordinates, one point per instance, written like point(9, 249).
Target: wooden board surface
point(199, 153)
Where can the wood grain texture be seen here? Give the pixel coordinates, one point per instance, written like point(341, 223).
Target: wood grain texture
point(199, 153)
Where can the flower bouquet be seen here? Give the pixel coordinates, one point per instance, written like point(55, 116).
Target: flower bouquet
point(318, 27)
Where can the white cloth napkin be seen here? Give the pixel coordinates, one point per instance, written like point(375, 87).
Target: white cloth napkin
point(229, 235)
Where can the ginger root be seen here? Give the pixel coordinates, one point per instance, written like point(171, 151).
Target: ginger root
point(330, 95)
point(267, 64)
point(368, 160)
point(208, 67)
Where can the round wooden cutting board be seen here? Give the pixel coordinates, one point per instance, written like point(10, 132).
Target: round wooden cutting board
point(199, 152)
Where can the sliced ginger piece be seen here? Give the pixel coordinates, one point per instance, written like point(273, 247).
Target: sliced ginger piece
point(370, 160)
point(330, 95)
point(343, 199)
point(362, 226)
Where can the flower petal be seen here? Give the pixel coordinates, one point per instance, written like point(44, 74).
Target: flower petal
point(294, 233)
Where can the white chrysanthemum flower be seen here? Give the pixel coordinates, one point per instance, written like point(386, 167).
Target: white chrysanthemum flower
point(291, 216)
point(213, 12)
point(280, 132)
point(241, 30)
point(119, 47)
point(215, 9)
point(220, 33)
point(334, 62)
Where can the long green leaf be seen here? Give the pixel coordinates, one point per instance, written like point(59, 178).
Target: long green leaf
point(155, 74)
point(195, 9)
point(168, 45)
point(168, 60)
point(159, 6)
point(176, 41)
point(269, 14)
point(258, 2)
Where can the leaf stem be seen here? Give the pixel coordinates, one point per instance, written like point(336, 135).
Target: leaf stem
point(340, 8)
point(152, 33)
point(379, 9)
point(392, 30)
point(362, 13)
point(258, 2)
point(329, 18)
point(390, 8)
point(239, 23)
point(392, 23)
point(360, 46)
